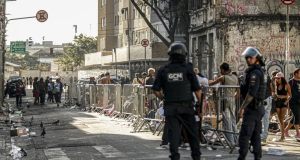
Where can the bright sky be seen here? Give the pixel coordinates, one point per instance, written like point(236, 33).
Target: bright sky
point(63, 14)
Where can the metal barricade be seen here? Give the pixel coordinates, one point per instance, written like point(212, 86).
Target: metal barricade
point(99, 97)
point(110, 100)
point(129, 100)
point(74, 98)
point(147, 113)
point(81, 94)
point(92, 91)
point(222, 100)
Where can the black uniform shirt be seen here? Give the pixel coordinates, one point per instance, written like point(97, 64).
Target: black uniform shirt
point(160, 82)
point(253, 80)
point(295, 89)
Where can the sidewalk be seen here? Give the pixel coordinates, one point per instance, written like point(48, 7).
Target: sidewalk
point(87, 136)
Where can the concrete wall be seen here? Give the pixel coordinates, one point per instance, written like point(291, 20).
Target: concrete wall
point(97, 58)
point(252, 7)
point(267, 37)
point(137, 52)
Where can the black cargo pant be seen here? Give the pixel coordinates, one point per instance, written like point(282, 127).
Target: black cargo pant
point(250, 131)
point(42, 96)
point(19, 99)
point(165, 137)
point(174, 124)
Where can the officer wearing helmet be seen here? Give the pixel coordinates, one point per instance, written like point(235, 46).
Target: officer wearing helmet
point(252, 109)
point(178, 82)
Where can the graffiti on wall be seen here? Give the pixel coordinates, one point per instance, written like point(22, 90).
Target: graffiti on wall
point(241, 7)
point(272, 47)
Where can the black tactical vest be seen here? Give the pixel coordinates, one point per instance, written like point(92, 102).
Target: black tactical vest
point(262, 86)
point(261, 93)
point(177, 87)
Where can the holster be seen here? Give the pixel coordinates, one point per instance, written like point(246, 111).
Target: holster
point(255, 103)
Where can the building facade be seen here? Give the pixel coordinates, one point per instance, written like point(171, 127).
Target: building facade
point(221, 30)
point(126, 20)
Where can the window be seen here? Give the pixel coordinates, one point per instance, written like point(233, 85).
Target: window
point(133, 14)
point(103, 23)
point(126, 14)
point(116, 20)
point(146, 32)
point(103, 3)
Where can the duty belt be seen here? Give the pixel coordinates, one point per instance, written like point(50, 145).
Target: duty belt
point(184, 104)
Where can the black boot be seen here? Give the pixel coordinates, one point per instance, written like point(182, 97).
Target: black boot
point(196, 157)
point(241, 158)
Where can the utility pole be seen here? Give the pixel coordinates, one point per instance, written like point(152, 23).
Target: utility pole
point(287, 53)
point(128, 36)
point(2, 57)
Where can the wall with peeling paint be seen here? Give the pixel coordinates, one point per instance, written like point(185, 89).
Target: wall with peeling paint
point(268, 37)
point(253, 7)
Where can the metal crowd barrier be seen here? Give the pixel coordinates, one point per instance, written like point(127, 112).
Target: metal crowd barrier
point(99, 96)
point(147, 113)
point(139, 104)
point(222, 100)
point(111, 99)
point(129, 100)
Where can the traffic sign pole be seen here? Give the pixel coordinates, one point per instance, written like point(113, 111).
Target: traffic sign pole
point(145, 43)
point(145, 58)
point(287, 42)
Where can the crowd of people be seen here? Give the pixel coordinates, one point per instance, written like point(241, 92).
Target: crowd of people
point(40, 88)
point(282, 100)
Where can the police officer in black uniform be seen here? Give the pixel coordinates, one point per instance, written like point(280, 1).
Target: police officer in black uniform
point(252, 109)
point(178, 82)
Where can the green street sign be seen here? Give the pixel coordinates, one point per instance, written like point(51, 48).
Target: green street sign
point(18, 47)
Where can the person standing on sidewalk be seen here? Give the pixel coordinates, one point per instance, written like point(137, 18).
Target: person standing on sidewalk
point(295, 103)
point(253, 93)
point(35, 91)
point(178, 82)
point(50, 89)
point(56, 92)
point(30, 81)
point(137, 80)
point(42, 87)
point(283, 97)
point(228, 112)
point(268, 107)
point(106, 79)
point(18, 93)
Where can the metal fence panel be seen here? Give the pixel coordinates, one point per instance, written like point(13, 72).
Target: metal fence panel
point(99, 94)
point(152, 100)
point(141, 102)
point(109, 97)
point(92, 95)
point(129, 98)
point(118, 106)
point(224, 100)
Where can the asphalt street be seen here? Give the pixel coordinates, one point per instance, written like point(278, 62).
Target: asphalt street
point(89, 136)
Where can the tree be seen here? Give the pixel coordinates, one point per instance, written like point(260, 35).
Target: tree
point(26, 60)
point(173, 14)
point(76, 51)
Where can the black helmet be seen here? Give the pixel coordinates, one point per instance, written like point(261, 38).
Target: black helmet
point(253, 52)
point(177, 48)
